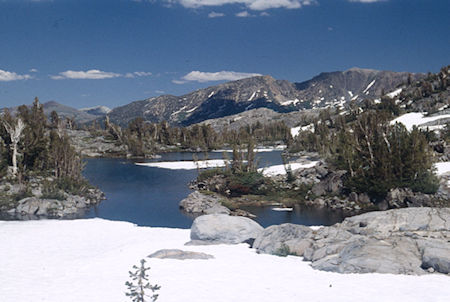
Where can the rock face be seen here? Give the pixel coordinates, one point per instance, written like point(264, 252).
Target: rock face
point(400, 241)
point(71, 207)
point(221, 228)
point(198, 203)
point(179, 255)
point(273, 238)
point(331, 184)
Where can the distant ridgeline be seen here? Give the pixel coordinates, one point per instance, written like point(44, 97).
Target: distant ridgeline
point(327, 90)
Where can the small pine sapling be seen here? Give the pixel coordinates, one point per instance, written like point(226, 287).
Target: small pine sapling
point(139, 284)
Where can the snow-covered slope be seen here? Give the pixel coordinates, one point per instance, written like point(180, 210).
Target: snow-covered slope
point(89, 260)
point(418, 119)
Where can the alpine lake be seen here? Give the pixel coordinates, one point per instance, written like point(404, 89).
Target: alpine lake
point(149, 196)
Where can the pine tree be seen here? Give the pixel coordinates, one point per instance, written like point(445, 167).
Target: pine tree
point(139, 284)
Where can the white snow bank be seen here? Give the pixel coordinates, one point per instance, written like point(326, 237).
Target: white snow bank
point(185, 165)
point(296, 130)
point(89, 260)
point(258, 149)
point(290, 102)
point(368, 87)
point(394, 93)
point(416, 119)
point(442, 167)
point(280, 169)
point(283, 209)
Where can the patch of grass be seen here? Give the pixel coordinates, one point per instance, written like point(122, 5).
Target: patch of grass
point(228, 204)
point(283, 251)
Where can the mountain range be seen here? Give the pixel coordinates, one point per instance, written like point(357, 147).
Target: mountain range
point(329, 89)
point(332, 89)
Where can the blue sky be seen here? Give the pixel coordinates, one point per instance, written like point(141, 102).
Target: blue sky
point(111, 52)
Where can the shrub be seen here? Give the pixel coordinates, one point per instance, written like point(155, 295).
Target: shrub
point(208, 173)
point(245, 183)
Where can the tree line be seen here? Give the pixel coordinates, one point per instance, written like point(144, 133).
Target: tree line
point(378, 156)
point(31, 146)
point(143, 138)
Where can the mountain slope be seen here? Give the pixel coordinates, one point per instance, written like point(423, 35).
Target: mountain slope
point(63, 111)
point(68, 112)
point(334, 89)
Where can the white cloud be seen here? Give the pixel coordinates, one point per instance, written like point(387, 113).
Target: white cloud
point(178, 82)
point(203, 77)
point(215, 15)
point(243, 14)
point(95, 74)
point(137, 74)
point(33, 70)
point(6, 76)
point(251, 4)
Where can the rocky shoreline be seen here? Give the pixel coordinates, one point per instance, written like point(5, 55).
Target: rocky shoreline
point(325, 189)
point(413, 241)
point(37, 206)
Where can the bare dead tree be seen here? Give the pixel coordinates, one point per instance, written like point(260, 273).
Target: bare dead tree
point(15, 133)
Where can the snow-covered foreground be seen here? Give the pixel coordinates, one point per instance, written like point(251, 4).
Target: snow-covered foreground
point(185, 165)
point(416, 119)
point(88, 260)
point(280, 169)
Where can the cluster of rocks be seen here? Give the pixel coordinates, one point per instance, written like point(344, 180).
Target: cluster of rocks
point(216, 183)
point(37, 206)
point(400, 241)
point(198, 203)
point(71, 207)
point(405, 197)
point(327, 191)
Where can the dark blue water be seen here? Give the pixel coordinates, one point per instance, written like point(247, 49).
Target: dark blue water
point(150, 196)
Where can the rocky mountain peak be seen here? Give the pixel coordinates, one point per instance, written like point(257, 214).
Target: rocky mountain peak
point(331, 89)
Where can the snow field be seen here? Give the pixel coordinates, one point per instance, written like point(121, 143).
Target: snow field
point(416, 119)
point(89, 260)
point(442, 167)
point(280, 169)
point(185, 165)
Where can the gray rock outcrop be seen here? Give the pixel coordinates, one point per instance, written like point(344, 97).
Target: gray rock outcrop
point(72, 206)
point(273, 238)
point(331, 184)
point(221, 228)
point(400, 241)
point(198, 203)
point(179, 255)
